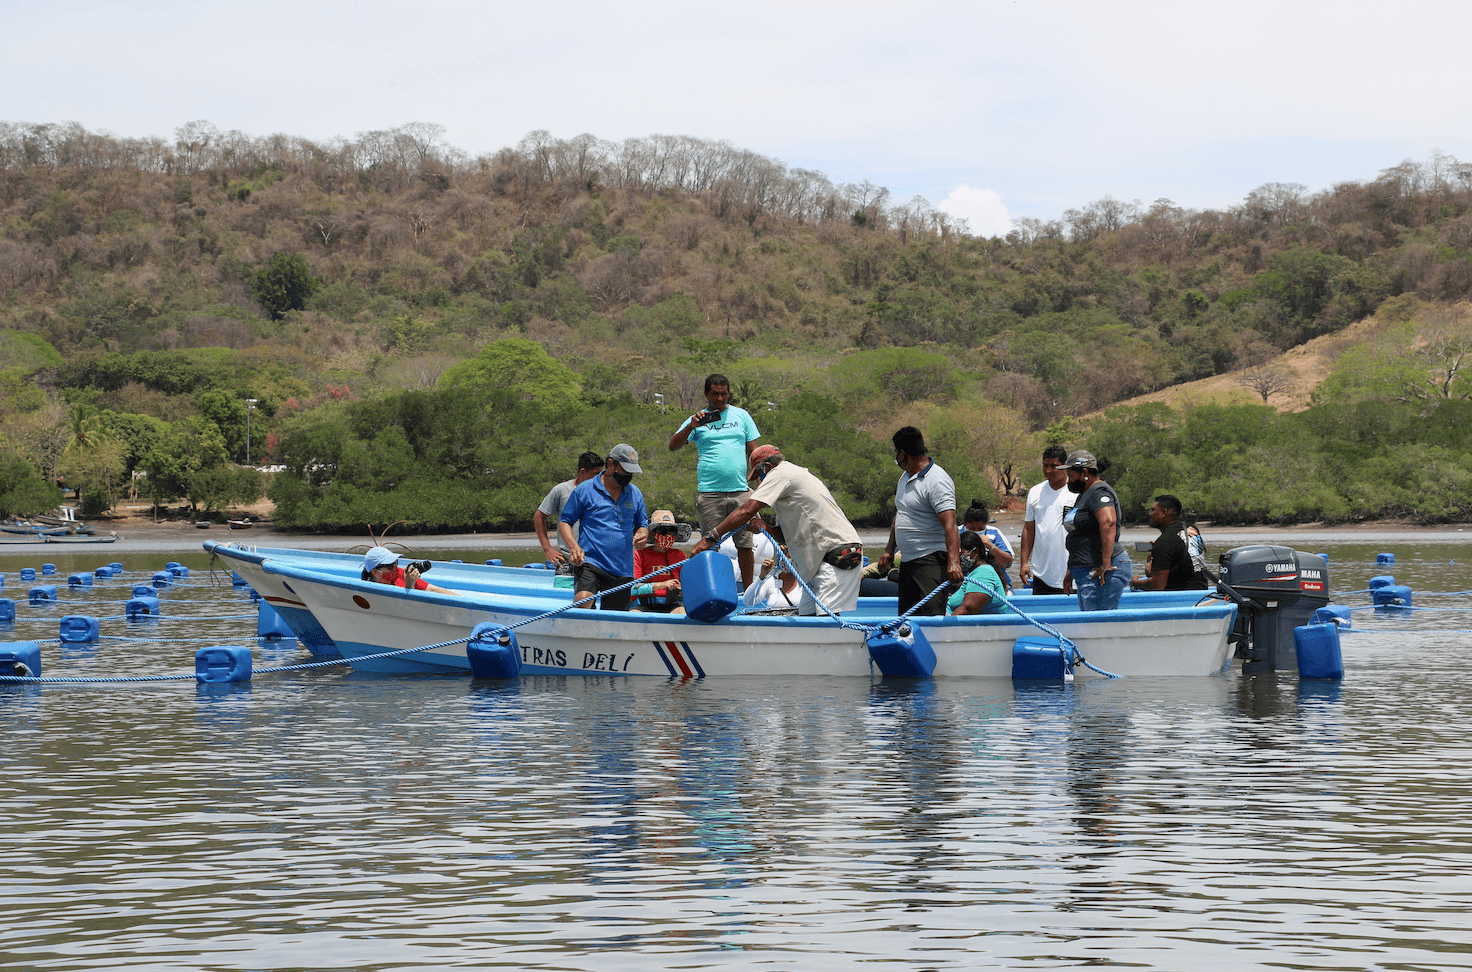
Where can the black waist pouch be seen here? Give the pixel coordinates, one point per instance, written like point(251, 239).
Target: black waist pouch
point(846, 557)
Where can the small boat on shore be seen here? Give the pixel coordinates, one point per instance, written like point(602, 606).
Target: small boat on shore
point(67, 538)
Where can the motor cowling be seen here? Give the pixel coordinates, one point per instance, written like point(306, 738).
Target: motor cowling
point(1277, 589)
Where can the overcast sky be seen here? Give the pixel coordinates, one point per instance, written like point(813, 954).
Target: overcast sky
point(1006, 109)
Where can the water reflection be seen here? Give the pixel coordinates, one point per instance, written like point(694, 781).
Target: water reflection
point(327, 819)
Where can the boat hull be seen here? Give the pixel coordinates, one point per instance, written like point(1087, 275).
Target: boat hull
point(364, 619)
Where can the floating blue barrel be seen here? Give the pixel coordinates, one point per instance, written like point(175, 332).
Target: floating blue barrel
point(1318, 651)
point(162, 579)
point(7, 609)
point(493, 652)
point(905, 653)
point(28, 573)
point(236, 580)
point(20, 658)
point(1394, 596)
point(43, 593)
point(1336, 614)
point(79, 580)
point(171, 564)
point(222, 663)
point(1384, 580)
point(144, 590)
point(178, 570)
point(1325, 558)
point(48, 569)
point(117, 568)
point(536, 566)
point(1385, 558)
point(1038, 657)
point(141, 608)
point(270, 624)
point(709, 586)
point(2, 580)
point(457, 561)
point(77, 628)
point(494, 562)
point(104, 572)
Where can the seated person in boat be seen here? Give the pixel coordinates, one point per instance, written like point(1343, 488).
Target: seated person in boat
point(978, 519)
point(1170, 566)
point(663, 592)
point(381, 566)
point(777, 588)
point(610, 514)
point(981, 592)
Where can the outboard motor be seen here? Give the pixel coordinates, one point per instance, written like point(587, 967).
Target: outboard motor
point(1276, 590)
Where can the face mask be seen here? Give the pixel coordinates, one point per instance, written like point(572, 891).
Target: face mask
point(969, 563)
point(623, 479)
point(899, 458)
point(664, 541)
point(1075, 485)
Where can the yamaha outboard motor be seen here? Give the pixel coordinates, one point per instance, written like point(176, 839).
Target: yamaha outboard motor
point(1276, 590)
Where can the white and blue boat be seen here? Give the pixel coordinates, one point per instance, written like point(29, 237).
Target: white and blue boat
point(1152, 634)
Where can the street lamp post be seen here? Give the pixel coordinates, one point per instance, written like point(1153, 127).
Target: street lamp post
point(250, 406)
point(659, 400)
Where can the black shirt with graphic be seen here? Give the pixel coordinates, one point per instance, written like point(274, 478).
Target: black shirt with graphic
point(1082, 524)
point(1170, 552)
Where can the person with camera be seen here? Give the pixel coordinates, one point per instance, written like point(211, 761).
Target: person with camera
point(981, 592)
point(610, 515)
point(924, 526)
point(381, 566)
point(724, 436)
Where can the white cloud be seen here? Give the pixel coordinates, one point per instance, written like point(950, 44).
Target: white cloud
point(983, 210)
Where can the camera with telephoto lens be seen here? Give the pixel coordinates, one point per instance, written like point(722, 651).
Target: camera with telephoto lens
point(419, 565)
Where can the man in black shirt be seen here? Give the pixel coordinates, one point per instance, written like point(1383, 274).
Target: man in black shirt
point(1170, 567)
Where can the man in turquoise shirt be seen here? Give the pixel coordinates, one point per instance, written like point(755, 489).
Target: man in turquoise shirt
point(724, 436)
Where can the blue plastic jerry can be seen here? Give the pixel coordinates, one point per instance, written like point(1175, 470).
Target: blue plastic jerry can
point(709, 586)
point(905, 653)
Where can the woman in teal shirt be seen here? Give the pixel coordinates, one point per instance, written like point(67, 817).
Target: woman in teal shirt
point(981, 592)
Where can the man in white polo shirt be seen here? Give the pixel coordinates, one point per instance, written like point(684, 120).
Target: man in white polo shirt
point(924, 526)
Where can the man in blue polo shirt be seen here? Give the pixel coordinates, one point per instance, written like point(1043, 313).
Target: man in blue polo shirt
point(724, 436)
point(924, 527)
point(610, 514)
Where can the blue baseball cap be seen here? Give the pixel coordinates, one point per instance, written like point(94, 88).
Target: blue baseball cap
point(378, 557)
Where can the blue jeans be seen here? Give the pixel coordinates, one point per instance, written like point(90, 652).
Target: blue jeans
point(1094, 596)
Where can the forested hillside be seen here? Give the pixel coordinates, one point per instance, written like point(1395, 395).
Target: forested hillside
point(433, 336)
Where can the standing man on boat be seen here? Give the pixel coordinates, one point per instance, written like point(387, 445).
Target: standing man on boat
point(724, 436)
point(824, 546)
point(924, 526)
point(609, 512)
point(590, 464)
point(1170, 567)
point(1044, 541)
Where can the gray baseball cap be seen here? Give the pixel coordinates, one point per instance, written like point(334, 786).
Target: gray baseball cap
point(625, 456)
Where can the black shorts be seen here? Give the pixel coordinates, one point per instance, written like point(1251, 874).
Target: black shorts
point(590, 579)
point(1040, 586)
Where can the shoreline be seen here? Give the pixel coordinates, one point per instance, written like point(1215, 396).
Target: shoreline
point(143, 536)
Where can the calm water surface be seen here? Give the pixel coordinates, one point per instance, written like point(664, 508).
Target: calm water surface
point(328, 819)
